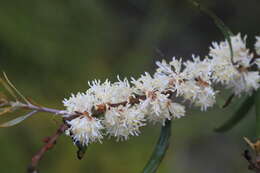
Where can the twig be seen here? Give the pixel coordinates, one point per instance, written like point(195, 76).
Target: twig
point(43, 109)
point(3, 104)
point(50, 142)
point(254, 161)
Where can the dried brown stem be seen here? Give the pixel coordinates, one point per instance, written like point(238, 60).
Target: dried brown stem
point(101, 108)
point(50, 142)
point(253, 160)
point(132, 101)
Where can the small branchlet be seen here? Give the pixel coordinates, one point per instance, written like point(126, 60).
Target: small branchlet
point(20, 102)
point(13, 100)
point(253, 160)
point(49, 143)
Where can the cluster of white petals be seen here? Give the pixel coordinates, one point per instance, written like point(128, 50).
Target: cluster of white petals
point(85, 130)
point(257, 45)
point(121, 108)
point(98, 93)
point(234, 73)
point(123, 121)
point(191, 80)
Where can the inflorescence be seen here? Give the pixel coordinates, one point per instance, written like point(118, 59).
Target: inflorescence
point(121, 108)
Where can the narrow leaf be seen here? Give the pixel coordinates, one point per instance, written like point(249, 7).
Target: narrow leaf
point(257, 111)
point(218, 22)
point(3, 101)
point(239, 114)
point(159, 150)
point(13, 87)
point(5, 110)
point(8, 88)
point(17, 120)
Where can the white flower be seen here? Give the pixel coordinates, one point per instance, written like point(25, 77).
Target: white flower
point(168, 69)
point(192, 82)
point(198, 69)
point(85, 130)
point(158, 108)
point(155, 102)
point(188, 90)
point(199, 93)
point(223, 67)
point(234, 75)
point(246, 82)
point(257, 45)
point(148, 83)
point(82, 102)
point(241, 55)
point(173, 74)
point(177, 110)
point(257, 62)
point(205, 98)
point(108, 92)
point(123, 121)
point(99, 93)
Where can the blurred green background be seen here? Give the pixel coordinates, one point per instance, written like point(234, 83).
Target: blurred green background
point(51, 48)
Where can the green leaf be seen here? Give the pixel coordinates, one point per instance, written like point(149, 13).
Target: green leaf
point(8, 88)
point(218, 22)
point(17, 120)
point(14, 88)
point(239, 114)
point(160, 149)
point(257, 111)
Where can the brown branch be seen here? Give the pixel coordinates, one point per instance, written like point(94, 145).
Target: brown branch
point(132, 100)
point(253, 162)
point(101, 108)
point(50, 142)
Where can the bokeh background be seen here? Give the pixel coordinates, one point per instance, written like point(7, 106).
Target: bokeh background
point(51, 48)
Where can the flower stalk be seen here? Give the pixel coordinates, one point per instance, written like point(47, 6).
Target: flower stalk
point(49, 143)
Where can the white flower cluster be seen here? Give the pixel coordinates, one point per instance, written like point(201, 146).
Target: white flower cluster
point(234, 73)
point(120, 109)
